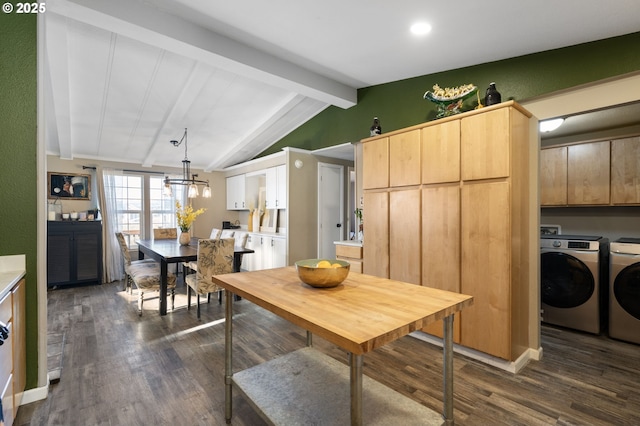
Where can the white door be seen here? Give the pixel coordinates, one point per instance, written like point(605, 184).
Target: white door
point(330, 208)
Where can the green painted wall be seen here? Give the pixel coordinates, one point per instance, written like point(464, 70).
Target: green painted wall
point(400, 104)
point(18, 161)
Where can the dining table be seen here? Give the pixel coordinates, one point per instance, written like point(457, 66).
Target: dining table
point(360, 315)
point(171, 251)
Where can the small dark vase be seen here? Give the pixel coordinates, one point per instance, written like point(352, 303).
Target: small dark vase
point(493, 96)
point(375, 127)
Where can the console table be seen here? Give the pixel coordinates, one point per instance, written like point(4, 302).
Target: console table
point(363, 313)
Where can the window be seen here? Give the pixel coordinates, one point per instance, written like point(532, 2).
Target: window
point(136, 212)
point(163, 208)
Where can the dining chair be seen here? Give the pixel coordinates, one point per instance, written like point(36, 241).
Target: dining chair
point(214, 257)
point(144, 274)
point(215, 233)
point(227, 233)
point(241, 238)
point(165, 233)
point(224, 233)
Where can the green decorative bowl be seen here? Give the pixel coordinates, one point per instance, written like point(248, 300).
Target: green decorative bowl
point(450, 106)
point(310, 274)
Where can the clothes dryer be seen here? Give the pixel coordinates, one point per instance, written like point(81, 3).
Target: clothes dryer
point(574, 273)
point(624, 290)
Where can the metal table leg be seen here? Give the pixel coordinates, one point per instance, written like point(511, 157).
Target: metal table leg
point(355, 362)
point(163, 287)
point(447, 365)
point(228, 369)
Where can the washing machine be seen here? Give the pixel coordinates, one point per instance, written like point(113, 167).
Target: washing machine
point(574, 276)
point(624, 289)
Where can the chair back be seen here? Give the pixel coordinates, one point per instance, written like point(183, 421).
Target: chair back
point(227, 233)
point(165, 233)
point(124, 248)
point(214, 257)
point(215, 234)
point(241, 239)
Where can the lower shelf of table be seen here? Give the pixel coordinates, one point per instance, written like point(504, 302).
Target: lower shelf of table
point(308, 387)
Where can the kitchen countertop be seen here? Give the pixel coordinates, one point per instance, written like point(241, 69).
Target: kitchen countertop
point(354, 243)
point(12, 269)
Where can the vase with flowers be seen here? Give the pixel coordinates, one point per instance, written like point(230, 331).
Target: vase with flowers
point(186, 216)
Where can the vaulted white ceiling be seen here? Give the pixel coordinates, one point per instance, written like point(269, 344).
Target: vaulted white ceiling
point(124, 77)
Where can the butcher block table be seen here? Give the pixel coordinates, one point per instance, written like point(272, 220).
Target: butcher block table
point(360, 315)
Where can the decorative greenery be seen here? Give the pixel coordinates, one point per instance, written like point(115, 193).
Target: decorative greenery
point(358, 213)
point(186, 216)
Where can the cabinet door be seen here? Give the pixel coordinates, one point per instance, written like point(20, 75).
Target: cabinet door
point(441, 152)
point(59, 256)
point(588, 173)
point(553, 176)
point(271, 188)
point(253, 260)
point(404, 159)
point(236, 193)
point(404, 236)
point(625, 171)
point(376, 234)
point(375, 164)
point(484, 145)
point(441, 245)
point(485, 266)
point(88, 258)
point(279, 252)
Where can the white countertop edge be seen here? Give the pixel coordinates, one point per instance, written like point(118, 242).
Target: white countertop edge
point(354, 243)
point(12, 269)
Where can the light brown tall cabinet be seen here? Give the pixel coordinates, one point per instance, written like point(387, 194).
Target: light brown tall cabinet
point(453, 204)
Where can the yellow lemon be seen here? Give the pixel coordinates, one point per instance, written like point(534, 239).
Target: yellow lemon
point(323, 264)
point(336, 265)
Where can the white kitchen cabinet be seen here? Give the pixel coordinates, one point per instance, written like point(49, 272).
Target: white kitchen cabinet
point(270, 252)
point(236, 193)
point(276, 187)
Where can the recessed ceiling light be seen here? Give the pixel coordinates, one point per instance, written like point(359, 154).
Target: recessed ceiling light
point(550, 125)
point(420, 28)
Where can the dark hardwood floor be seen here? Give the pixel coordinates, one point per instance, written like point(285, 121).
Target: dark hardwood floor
point(122, 369)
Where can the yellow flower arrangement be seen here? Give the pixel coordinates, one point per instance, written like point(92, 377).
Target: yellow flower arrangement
point(186, 216)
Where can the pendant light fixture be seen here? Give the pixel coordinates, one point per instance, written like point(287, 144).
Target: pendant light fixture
point(188, 179)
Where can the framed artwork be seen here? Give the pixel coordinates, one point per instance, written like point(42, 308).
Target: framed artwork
point(69, 186)
point(270, 221)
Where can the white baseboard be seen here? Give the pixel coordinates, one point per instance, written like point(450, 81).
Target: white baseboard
point(510, 366)
point(35, 394)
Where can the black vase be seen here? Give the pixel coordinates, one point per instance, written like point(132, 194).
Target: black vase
point(375, 127)
point(493, 96)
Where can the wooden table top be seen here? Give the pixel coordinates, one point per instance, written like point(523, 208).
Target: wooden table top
point(361, 314)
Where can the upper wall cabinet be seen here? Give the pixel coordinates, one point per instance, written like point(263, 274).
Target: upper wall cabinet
point(553, 176)
point(485, 143)
point(588, 176)
point(441, 153)
point(591, 174)
point(236, 193)
point(375, 164)
point(404, 159)
point(276, 187)
point(625, 171)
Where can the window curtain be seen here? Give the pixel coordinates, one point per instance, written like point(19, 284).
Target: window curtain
point(113, 269)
